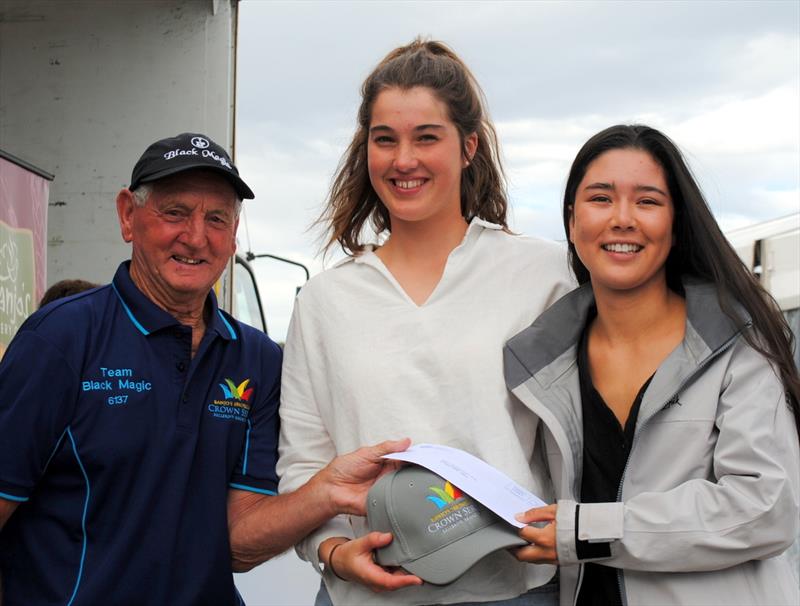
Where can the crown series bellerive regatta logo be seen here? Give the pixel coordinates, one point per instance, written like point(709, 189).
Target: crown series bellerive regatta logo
point(454, 508)
point(236, 403)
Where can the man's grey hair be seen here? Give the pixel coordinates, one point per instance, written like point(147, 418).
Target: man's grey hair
point(142, 193)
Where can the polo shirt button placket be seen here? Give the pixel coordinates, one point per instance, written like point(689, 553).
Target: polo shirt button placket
point(185, 414)
point(181, 366)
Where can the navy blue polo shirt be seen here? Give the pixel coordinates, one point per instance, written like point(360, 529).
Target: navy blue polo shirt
point(120, 449)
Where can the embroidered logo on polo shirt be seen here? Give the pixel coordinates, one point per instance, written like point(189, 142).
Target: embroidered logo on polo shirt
point(116, 384)
point(238, 392)
point(235, 403)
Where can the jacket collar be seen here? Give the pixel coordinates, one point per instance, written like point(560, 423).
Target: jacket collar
point(541, 370)
point(533, 352)
point(148, 317)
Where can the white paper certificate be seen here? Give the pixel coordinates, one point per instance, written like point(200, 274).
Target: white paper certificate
point(487, 485)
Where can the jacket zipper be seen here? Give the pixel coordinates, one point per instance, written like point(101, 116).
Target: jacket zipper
point(578, 585)
point(720, 350)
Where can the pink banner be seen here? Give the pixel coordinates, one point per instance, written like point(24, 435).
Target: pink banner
point(23, 241)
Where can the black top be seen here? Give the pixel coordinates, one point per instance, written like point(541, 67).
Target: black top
point(606, 445)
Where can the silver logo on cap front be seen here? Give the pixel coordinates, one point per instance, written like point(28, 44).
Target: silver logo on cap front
point(200, 142)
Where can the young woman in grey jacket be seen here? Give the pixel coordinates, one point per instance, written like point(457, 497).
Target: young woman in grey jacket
point(667, 394)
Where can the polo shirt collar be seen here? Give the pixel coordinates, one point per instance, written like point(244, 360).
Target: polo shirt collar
point(148, 317)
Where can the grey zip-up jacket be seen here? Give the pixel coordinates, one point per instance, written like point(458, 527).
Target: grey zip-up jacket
point(709, 499)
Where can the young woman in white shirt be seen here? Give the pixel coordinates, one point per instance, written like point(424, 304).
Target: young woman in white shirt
point(404, 337)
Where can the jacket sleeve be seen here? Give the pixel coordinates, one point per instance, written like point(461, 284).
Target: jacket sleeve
point(305, 446)
point(748, 510)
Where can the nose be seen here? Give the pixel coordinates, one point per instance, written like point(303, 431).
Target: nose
point(405, 158)
point(623, 215)
point(194, 233)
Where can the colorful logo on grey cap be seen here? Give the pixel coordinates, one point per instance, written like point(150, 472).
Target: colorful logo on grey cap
point(444, 496)
point(454, 509)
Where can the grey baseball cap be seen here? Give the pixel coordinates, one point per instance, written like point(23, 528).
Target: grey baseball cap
point(439, 532)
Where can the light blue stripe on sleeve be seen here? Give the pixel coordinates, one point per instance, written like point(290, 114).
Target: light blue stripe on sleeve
point(11, 497)
point(252, 489)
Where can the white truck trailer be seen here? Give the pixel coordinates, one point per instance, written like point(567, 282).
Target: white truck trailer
point(772, 252)
point(86, 85)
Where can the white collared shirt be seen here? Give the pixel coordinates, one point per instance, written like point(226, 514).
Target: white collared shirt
point(363, 363)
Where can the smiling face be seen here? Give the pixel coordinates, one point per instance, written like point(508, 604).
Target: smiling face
point(182, 237)
point(415, 158)
point(621, 221)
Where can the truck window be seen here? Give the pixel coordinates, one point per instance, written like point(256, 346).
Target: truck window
point(246, 300)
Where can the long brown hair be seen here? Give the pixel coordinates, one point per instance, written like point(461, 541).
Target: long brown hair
point(352, 202)
point(701, 250)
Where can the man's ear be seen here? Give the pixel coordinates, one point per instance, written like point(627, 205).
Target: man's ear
point(235, 245)
point(126, 204)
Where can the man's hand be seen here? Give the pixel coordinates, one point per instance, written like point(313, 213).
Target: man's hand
point(349, 477)
point(542, 548)
point(262, 526)
point(353, 561)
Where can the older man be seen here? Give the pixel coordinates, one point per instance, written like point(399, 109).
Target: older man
point(138, 421)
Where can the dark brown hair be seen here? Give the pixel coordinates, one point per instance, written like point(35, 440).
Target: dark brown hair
point(352, 201)
point(701, 249)
point(65, 288)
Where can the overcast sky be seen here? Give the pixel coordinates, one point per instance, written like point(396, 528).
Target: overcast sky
point(721, 78)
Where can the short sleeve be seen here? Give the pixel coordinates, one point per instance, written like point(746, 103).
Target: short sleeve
point(38, 393)
point(255, 470)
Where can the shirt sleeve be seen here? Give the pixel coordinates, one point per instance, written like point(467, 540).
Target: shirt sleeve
point(305, 444)
point(38, 393)
point(255, 470)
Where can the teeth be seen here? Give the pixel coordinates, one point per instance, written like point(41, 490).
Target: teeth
point(622, 248)
point(408, 184)
point(187, 260)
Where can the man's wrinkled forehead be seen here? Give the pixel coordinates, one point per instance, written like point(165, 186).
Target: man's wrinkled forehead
point(199, 181)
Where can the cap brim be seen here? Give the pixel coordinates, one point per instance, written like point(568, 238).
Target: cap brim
point(445, 565)
point(242, 190)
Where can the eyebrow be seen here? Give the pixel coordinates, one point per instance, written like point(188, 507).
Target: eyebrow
point(385, 128)
point(610, 186)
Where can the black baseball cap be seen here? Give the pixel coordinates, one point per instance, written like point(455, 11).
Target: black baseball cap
point(187, 151)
